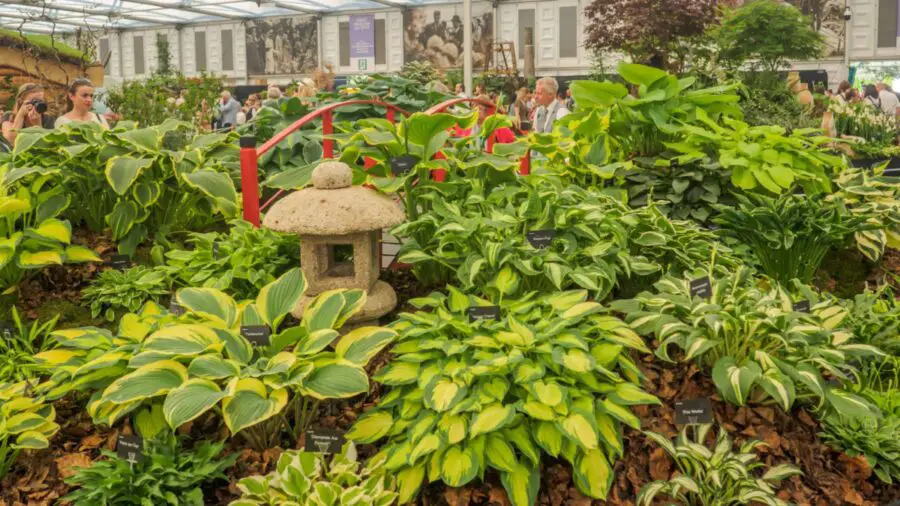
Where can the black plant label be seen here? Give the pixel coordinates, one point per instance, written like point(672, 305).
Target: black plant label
point(891, 172)
point(693, 412)
point(7, 330)
point(701, 288)
point(484, 313)
point(324, 441)
point(176, 308)
point(120, 262)
point(215, 250)
point(130, 448)
point(802, 306)
point(257, 334)
point(403, 164)
point(540, 239)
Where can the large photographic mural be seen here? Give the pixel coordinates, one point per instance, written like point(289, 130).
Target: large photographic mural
point(282, 45)
point(827, 18)
point(435, 34)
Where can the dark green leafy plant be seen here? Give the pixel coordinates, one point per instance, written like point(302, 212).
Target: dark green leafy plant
point(552, 376)
point(877, 439)
point(239, 262)
point(766, 99)
point(115, 291)
point(682, 192)
point(170, 475)
point(17, 351)
point(152, 101)
point(716, 477)
point(755, 344)
point(790, 234)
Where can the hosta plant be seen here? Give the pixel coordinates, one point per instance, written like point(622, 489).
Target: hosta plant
point(790, 234)
point(877, 200)
point(117, 291)
point(31, 234)
point(553, 376)
point(303, 478)
point(755, 344)
point(169, 475)
point(129, 180)
point(26, 422)
point(717, 477)
point(875, 438)
point(239, 262)
point(201, 361)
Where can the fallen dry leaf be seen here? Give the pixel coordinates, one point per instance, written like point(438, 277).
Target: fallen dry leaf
point(68, 464)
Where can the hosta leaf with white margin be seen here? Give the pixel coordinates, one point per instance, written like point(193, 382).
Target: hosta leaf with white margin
point(791, 354)
point(190, 400)
point(210, 303)
point(26, 422)
point(710, 476)
point(494, 395)
point(278, 299)
point(251, 403)
point(148, 381)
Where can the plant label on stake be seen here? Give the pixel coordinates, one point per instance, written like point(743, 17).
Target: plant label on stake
point(484, 313)
point(802, 306)
point(403, 164)
point(323, 441)
point(257, 334)
point(130, 449)
point(701, 287)
point(120, 262)
point(540, 239)
point(7, 330)
point(215, 250)
point(693, 412)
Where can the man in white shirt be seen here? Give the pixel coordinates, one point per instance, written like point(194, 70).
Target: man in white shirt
point(549, 109)
point(889, 101)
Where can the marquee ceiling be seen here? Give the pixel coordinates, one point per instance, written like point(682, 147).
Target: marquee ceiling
point(49, 16)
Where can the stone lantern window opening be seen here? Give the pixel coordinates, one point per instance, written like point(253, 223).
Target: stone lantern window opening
point(340, 261)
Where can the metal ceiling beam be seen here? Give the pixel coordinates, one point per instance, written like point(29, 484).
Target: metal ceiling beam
point(47, 19)
point(86, 11)
point(183, 7)
point(32, 29)
point(292, 7)
point(393, 5)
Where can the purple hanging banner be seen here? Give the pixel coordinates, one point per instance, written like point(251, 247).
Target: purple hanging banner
point(362, 36)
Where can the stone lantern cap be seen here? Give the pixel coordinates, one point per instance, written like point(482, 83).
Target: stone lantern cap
point(333, 206)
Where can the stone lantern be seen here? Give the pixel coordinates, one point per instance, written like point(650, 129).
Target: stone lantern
point(339, 226)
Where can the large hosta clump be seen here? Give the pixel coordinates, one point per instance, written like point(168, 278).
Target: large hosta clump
point(552, 377)
point(185, 366)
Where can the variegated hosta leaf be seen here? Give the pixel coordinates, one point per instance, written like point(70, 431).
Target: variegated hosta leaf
point(249, 403)
point(735, 382)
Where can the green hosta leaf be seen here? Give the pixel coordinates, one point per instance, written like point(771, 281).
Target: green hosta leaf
point(213, 367)
point(280, 297)
point(31, 440)
point(336, 381)
point(581, 428)
point(150, 421)
point(548, 437)
point(209, 303)
point(629, 394)
point(371, 427)
point(362, 344)
point(442, 394)
point(218, 187)
point(314, 342)
point(190, 400)
point(249, 404)
point(593, 475)
point(522, 484)
point(182, 340)
point(122, 218)
point(148, 381)
point(735, 382)
point(459, 466)
point(122, 171)
point(409, 481)
point(500, 454)
point(491, 418)
point(779, 387)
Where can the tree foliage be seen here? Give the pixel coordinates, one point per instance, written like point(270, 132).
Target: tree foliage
point(646, 29)
point(769, 32)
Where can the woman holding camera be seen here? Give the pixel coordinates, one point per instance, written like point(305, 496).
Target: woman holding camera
point(81, 97)
point(28, 112)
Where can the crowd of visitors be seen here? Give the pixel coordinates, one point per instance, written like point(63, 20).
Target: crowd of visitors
point(879, 96)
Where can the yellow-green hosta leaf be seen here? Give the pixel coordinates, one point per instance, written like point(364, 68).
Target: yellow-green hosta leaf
point(522, 485)
point(621, 413)
point(6, 255)
point(581, 310)
point(150, 421)
point(313, 342)
point(453, 427)
point(249, 404)
point(609, 432)
point(538, 410)
point(133, 328)
point(629, 394)
point(148, 381)
point(573, 359)
point(53, 229)
point(58, 357)
point(581, 428)
point(397, 373)
point(409, 481)
point(10, 206)
point(500, 454)
point(370, 427)
point(550, 394)
point(443, 393)
point(548, 437)
point(593, 476)
point(38, 259)
point(211, 304)
point(459, 466)
point(79, 254)
point(31, 440)
point(359, 345)
point(425, 446)
point(23, 422)
point(280, 297)
point(506, 281)
point(564, 300)
point(492, 417)
point(336, 380)
point(190, 400)
point(184, 340)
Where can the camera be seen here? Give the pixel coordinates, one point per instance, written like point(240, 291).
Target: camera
point(39, 105)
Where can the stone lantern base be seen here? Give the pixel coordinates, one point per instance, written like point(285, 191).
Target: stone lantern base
point(380, 300)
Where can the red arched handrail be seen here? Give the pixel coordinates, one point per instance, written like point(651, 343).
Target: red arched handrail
point(443, 106)
point(250, 153)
